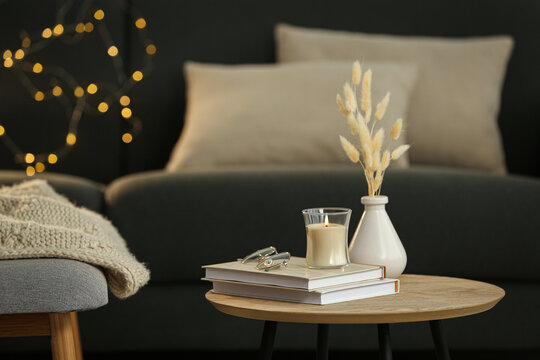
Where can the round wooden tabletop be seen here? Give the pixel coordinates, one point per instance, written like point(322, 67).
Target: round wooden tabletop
point(421, 298)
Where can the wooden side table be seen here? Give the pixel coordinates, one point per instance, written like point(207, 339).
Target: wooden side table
point(422, 298)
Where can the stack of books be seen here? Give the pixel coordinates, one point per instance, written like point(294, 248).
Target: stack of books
point(297, 283)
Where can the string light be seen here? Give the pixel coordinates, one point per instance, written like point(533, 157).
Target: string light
point(58, 30)
point(124, 100)
point(126, 113)
point(99, 15)
point(112, 51)
point(127, 138)
point(39, 96)
point(151, 49)
point(78, 92)
point(29, 158)
point(37, 68)
point(71, 139)
point(137, 75)
point(103, 107)
point(79, 29)
point(92, 89)
point(47, 33)
point(64, 84)
point(40, 167)
point(52, 158)
point(19, 54)
point(140, 23)
point(57, 91)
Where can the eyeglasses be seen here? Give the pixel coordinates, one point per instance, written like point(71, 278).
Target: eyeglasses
point(268, 258)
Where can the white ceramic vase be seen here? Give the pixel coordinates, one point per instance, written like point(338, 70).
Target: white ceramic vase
point(375, 241)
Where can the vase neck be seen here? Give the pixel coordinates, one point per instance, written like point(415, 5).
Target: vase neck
point(375, 200)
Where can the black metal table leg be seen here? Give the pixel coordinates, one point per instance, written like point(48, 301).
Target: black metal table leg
point(385, 348)
point(322, 341)
point(441, 347)
point(267, 340)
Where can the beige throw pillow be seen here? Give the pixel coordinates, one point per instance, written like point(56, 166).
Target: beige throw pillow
point(276, 114)
point(454, 107)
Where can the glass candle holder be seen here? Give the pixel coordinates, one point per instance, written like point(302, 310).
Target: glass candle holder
point(326, 232)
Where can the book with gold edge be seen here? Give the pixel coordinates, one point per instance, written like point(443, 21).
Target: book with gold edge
point(295, 275)
point(321, 296)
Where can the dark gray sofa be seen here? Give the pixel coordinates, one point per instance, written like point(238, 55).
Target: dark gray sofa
point(452, 222)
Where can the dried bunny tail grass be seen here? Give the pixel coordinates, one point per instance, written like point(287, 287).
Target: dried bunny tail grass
point(360, 118)
point(381, 107)
point(396, 129)
point(385, 160)
point(351, 150)
point(378, 140)
point(356, 73)
point(368, 155)
point(396, 154)
point(363, 133)
point(366, 92)
point(341, 106)
point(377, 182)
point(376, 166)
point(353, 124)
point(350, 98)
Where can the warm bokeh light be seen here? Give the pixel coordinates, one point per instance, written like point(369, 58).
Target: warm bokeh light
point(52, 158)
point(89, 27)
point(26, 42)
point(126, 113)
point(29, 158)
point(57, 90)
point(92, 88)
point(7, 54)
point(40, 167)
point(151, 49)
point(30, 171)
point(19, 54)
point(58, 30)
point(112, 51)
point(137, 75)
point(47, 33)
point(37, 68)
point(71, 139)
point(39, 96)
point(8, 62)
point(125, 100)
point(140, 23)
point(2, 130)
point(103, 107)
point(78, 92)
point(99, 15)
point(127, 138)
point(79, 28)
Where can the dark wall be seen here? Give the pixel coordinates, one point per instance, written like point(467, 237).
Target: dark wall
point(241, 31)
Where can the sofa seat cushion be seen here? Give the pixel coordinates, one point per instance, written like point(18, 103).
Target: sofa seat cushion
point(50, 286)
point(81, 191)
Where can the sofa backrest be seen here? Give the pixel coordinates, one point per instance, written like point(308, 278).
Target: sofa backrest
point(241, 31)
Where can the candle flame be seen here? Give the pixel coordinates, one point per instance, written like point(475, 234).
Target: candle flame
point(326, 221)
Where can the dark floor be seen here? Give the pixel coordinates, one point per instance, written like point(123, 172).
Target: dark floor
point(290, 355)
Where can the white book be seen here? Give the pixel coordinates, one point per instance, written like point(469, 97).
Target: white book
point(295, 275)
point(323, 296)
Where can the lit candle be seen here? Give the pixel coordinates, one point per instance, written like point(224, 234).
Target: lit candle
point(326, 244)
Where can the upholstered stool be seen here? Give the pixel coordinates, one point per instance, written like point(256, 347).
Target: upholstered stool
point(41, 297)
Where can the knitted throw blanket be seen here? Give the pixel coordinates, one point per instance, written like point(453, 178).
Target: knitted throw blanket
point(37, 222)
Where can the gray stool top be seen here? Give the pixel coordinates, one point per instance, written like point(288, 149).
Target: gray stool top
point(50, 285)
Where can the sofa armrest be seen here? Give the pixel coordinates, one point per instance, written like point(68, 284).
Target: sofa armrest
point(451, 222)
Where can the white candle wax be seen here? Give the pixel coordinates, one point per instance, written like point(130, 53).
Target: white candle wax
point(326, 245)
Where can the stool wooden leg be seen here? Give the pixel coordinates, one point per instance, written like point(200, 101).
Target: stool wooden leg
point(76, 335)
point(62, 337)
